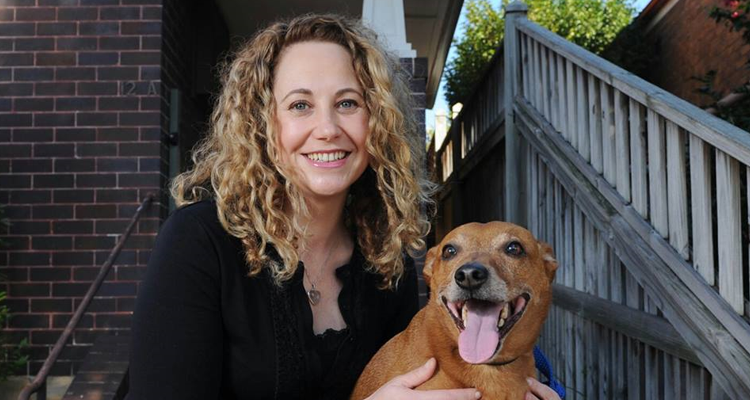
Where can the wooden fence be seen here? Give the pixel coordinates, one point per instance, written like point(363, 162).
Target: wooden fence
point(645, 199)
point(471, 190)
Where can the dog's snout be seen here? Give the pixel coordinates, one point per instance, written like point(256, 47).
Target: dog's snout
point(471, 276)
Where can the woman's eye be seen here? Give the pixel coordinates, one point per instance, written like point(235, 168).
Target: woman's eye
point(348, 104)
point(449, 251)
point(299, 106)
point(514, 249)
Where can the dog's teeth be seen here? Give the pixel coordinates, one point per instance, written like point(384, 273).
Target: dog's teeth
point(501, 322)
point(506, 311)
point(464, 314)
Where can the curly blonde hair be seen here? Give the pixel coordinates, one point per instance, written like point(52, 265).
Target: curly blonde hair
point(235, 163)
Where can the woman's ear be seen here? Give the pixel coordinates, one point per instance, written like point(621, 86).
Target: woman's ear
point(548, 258)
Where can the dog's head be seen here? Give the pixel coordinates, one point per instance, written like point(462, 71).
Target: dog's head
point(492, 281)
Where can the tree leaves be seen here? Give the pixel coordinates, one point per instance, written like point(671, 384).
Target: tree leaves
point(592, 24)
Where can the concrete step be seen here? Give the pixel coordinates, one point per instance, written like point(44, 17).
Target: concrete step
point(56, 387)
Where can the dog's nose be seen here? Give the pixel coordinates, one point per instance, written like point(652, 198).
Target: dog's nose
point(471, 276)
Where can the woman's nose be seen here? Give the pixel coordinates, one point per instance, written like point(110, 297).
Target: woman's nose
point(328, 126)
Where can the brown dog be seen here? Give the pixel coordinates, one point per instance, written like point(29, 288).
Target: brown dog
point(489, 295)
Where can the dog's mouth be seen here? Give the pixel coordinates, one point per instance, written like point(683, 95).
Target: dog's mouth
point(483, 325)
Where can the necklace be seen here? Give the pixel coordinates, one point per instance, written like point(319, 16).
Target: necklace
point(313, 295)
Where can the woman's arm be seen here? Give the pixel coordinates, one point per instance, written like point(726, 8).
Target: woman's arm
point(176, 350)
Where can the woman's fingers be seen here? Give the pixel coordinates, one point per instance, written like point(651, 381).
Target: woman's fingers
point(448, 394)
point(541, 391)
point(400, 387)
point(530, 396)
point(416, 376)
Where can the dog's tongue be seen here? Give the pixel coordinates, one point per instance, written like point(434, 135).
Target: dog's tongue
point(477, 343)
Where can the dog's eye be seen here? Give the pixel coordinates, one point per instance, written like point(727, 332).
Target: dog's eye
point(514, 249)
point(449, 251)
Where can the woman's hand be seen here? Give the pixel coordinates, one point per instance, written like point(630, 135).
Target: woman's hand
point(401, 387)
point(540, 391)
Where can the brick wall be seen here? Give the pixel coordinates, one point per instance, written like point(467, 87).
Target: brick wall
point(80, 146)
point(689, 43)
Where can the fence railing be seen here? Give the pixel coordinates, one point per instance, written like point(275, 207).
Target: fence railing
point(643, 197)
point(38, 385)
point(477, 125)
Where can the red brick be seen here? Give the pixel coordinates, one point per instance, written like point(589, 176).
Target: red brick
point(17, 29)
point(77, 43)
point(56, 58)
point(36, 14)
point(56, 28)
point(120, 13)
point(98, 28)
point(77, 13)
point(34, 44)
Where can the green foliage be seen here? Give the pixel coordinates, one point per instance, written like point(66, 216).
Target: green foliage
point(592, 24)
point(483, 32)
point(11, 357)
point(736, 15)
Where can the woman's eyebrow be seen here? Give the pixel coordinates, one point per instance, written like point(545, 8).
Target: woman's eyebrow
point(300, 90)
point(309, 92)
point(347, 90)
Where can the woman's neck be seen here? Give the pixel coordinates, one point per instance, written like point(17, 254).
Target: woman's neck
point(325, 227)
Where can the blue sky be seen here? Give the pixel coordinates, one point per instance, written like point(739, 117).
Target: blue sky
point(440, 98)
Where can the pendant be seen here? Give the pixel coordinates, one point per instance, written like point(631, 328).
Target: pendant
point(314, 296)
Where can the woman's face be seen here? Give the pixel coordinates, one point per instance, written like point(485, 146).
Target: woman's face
point(321, 118)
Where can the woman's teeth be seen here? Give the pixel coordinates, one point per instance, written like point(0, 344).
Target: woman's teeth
point(327, 157)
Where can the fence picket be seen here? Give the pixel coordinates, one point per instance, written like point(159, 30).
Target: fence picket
point(554, 91)
point(695, 385)
point(544, 69)
point(701, 183)
point(584, 148)
point(677, 190)
point(569, 363)
point(595, 123)
point(562, 111)
point(541, 220)
point(635, 348)
point(609, 150)
point(525, 66)
point(570, 91)
point(638, 159)
point(730, 235)
point(578, 282)
point(657, 178)
point(603, 268)
point(539, 89)
point(618, 355)
point(669, 381)
point(622, 145)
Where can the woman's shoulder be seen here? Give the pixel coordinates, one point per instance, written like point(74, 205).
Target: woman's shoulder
point(194, 218)
point(203, 212)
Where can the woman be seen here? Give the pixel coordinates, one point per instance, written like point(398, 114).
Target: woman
point(283, 272)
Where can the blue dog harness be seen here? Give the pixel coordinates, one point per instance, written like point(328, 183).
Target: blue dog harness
point(545, 368)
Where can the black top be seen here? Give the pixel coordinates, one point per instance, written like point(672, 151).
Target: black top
point(204, 330)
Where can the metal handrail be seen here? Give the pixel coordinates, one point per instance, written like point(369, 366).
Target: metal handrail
point(41, 377)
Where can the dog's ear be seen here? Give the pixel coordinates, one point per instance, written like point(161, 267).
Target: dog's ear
point(428, 261)
point(548, 257)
